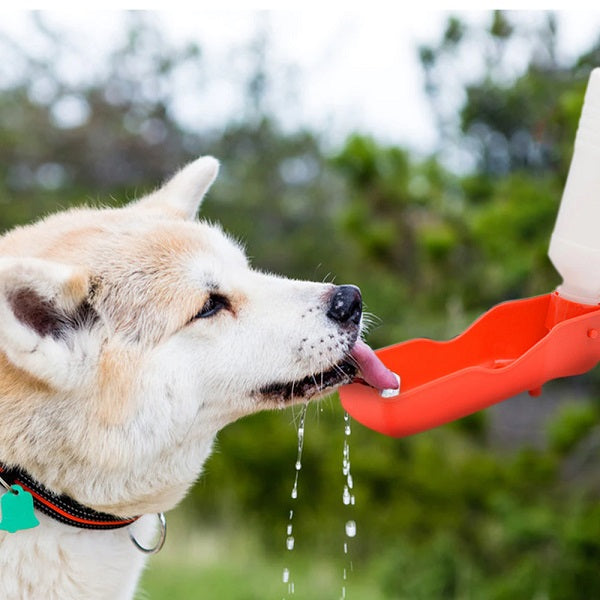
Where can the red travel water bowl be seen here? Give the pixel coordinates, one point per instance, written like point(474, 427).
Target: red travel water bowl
point(516, 346)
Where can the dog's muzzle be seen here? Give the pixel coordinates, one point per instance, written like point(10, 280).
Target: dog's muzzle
point(344, 307)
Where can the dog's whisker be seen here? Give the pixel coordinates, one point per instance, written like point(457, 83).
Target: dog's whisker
point(350, 359)
point(297, 377)
point(369, 321)
point(314, 378)
point(329, 278)
point(338, 369)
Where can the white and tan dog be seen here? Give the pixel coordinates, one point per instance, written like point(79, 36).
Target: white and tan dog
point(128, 338)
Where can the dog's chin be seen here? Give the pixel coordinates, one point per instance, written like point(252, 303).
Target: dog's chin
point(311, 386)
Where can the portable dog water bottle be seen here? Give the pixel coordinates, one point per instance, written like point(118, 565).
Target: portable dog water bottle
point(516, 346)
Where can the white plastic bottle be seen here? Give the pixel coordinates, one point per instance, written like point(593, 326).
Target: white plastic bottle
point(575, 243)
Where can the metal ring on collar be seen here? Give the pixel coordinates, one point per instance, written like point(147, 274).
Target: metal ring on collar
point(5, 485)
point(162, 521)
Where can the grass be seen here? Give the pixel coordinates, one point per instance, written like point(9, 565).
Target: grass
point(230, 565)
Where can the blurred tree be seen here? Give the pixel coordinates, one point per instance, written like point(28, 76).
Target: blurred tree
point(115, 131)
point(517, 113)
point(105, 132)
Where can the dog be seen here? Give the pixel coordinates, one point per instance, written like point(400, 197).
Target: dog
point(128, 338)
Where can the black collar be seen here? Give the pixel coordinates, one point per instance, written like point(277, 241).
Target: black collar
point(62, 508)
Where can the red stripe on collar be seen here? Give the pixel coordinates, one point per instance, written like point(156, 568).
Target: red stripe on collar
point(62, 508)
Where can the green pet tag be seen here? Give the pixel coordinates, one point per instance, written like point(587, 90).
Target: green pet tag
point(17, 510)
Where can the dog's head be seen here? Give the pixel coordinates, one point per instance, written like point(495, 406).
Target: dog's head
point(130, 336)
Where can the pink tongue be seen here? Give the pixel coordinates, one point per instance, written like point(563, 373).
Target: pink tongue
point(373, 371)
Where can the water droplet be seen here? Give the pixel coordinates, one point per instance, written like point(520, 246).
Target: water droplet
point(346, 496)
point(350, 528)
point(289, 540)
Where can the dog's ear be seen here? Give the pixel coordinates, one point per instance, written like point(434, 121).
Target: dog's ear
point(42, 303)
point(182, 195)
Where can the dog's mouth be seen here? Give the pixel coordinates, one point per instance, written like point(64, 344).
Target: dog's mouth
point(312, 385)
point(362, 362)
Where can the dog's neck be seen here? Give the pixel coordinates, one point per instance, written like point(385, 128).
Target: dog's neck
point(59, 561)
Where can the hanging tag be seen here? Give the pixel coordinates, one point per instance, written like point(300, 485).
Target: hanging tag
point(17, 510)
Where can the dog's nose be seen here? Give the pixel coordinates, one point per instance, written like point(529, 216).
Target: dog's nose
point(345, 305)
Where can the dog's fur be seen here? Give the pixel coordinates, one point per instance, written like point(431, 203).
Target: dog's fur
point(128, 338)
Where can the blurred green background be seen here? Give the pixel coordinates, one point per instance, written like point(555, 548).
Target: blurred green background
point(500, 505)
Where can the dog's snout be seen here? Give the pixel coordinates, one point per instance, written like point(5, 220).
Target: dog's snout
point(345, 305)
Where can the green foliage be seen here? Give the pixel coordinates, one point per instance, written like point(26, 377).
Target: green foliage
point(570, 425)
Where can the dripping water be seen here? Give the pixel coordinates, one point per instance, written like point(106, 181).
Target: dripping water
point(348, 499)
point(289, 531)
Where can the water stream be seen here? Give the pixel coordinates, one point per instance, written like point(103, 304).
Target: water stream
point(347, 500)
point(289, 531)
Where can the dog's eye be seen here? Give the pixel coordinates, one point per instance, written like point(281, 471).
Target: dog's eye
point(212, 306)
